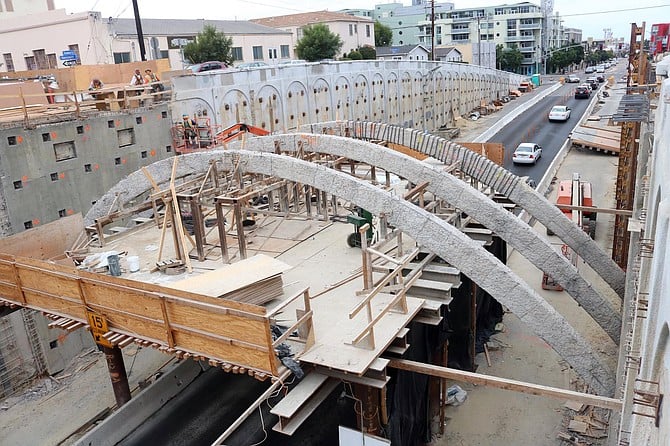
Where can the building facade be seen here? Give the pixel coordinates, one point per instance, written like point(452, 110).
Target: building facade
point(404, 20)
point(354, 31)
point(658, 39)
point(404, 52)
point(43, 40)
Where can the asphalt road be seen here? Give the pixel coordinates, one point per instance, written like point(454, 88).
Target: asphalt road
point(534, 126)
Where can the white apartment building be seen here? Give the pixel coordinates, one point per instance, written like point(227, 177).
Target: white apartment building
point(521, 25)
point(13, 8)
point(354, 31)
point(40, 40)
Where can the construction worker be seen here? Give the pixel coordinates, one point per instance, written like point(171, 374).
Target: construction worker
point(189, 130)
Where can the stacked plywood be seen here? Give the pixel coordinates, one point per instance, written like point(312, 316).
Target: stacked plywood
point(256, 280)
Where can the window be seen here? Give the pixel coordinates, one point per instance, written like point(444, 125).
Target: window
point(30, 63)
point(164, 54)
point(272, 53)
point(41, 59)
point(511, 33)
point(52, 60)
point(355, 28)
point(460, 37)
point(258, 52)
point(65, 151)
point(9, 62)
point(367, 30)
point(284, 50)
point(125, 137)
point(121, 57)
point(75, 48)
point(237, 53)
point(298, 33)
point(511, 24)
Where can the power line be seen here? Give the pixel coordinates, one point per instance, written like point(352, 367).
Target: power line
point(614, 10)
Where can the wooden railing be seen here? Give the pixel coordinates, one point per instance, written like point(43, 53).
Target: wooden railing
point(220, 331)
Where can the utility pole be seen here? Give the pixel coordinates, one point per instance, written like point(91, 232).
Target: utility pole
point(432, 30)
point(479, 42)
point(140, 34)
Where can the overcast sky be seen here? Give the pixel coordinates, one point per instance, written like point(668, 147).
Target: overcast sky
point(590, 16)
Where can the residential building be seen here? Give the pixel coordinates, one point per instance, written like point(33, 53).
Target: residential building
point(38, 41)
point(520, 25)
point(354, 31)
point(448, 54)
point(12, 8)
point(404, 20)
point(404, 52)
point(572, 35)
point(658, 39)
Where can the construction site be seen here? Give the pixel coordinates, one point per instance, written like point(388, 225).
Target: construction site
point(297, 231)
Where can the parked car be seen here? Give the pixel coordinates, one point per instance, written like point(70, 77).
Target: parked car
point(582, 92)
point(572, 79)
point(559, 113)
point(207, 66)
point(527, 153)
point(249, 65)
point(600, 69)
point(292, 62)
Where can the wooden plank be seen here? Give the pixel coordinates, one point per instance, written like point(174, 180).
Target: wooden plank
point(233, 326)
point(506, 384)
point(99, 295)
point(232, 277)
point(297, 396)
point(356, 379)
point(295, 422)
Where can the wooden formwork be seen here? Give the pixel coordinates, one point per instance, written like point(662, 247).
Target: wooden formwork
point(217, 330)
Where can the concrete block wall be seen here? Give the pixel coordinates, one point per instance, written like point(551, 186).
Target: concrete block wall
point(417, 94)
point(58, 169)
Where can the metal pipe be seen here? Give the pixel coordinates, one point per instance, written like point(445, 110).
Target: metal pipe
point(117, 373)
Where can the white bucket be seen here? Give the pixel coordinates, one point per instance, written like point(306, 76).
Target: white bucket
point(133, 263)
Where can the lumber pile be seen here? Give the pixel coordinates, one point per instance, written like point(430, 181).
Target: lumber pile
point(256, 280)
point(584, 421)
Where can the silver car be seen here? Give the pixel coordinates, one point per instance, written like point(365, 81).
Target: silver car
point(527, 153)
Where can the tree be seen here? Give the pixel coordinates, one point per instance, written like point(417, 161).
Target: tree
point(368, 52)
point(210, 45)
point(317, 43)
point(355, 55)
point(383, 34)
point(508, 59)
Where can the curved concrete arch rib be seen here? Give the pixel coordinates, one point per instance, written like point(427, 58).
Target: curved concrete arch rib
point(492, 175)
point(428, 231)
point(464, 197)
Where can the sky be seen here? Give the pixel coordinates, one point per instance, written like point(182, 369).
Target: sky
point(591, 17)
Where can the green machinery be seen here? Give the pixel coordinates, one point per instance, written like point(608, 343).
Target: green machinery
point(359, 218)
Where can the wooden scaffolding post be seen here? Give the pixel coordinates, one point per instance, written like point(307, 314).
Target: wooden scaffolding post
point(177, 214)
point(221, 225)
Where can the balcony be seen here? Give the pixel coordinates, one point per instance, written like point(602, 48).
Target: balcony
point(527, 49)
point(530, 26)
point(520, 39)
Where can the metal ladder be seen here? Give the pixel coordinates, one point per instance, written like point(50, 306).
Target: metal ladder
point(34, 341)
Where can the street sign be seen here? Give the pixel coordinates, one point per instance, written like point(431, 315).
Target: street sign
point(69, 63)
point(68, 55)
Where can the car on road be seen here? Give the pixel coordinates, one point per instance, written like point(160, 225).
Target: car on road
point(559, 113)
point(527, 153)
point(249, 65)
point(590, 70)
point(601, 78)
point(572, 79)
point(593, 81)
point(207, 66)
point(582, 92)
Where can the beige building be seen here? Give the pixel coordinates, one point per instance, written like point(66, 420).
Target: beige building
point(355, 32)
point(13, 8)
point(49, 39)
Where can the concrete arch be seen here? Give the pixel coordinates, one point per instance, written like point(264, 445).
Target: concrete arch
point(232, 105)
point(464, 197)
point(502, 181)
point(269, 107)
point(427, 229)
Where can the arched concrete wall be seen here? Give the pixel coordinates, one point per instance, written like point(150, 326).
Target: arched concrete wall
point(493, 175)
point(427, 229)
point(464, 197)
point(411, 88)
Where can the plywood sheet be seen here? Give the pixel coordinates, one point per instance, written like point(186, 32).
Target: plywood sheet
point(46, 241)
point(33, 94)
point(334, 331)
point(492, 150)
point(232, 277)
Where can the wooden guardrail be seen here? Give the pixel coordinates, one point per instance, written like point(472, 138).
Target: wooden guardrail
point(220, 331)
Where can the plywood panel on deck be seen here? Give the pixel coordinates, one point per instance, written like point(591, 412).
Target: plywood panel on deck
point(227, 279)
point(334, 331)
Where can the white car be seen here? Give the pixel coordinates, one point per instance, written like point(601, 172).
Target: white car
point(559, 113)
point(527, 153)
point(572, 79)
